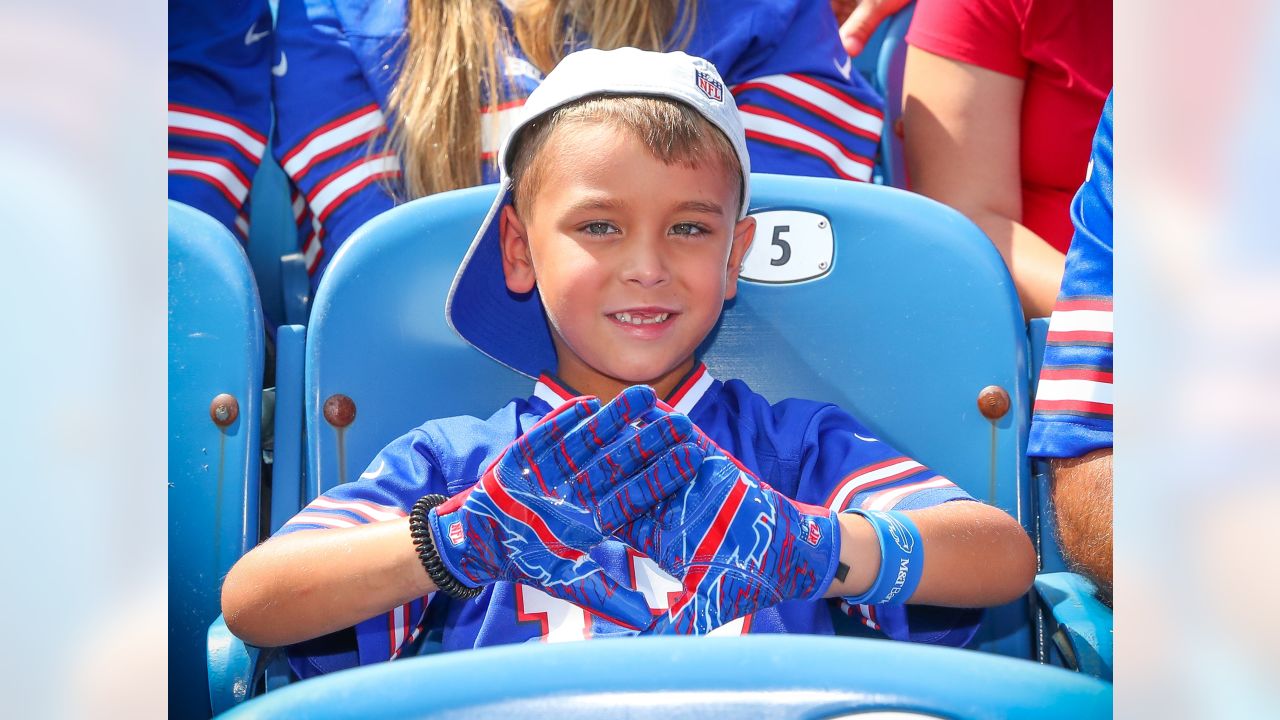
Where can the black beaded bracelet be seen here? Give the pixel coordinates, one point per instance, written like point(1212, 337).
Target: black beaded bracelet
point(425, 543)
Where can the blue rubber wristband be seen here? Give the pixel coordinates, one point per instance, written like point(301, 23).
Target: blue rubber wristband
point(901, 559)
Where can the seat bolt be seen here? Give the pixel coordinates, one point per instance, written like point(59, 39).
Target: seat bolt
point(224, 410)
point(993, 402)
point(339, 410)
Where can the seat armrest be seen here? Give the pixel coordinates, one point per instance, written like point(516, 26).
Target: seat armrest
point(1082, 625)
point(232, 668)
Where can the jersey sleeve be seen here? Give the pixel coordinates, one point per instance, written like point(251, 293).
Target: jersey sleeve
point(219, 104)
point(1072, 414)
point(986, 33)
point(329, 131)
point(403, 472)
point(805, 110)
point(843, 466)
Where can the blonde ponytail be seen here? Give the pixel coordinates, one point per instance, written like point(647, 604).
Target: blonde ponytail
point(451, 71)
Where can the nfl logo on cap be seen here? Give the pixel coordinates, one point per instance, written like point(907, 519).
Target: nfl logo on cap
point(710, 86)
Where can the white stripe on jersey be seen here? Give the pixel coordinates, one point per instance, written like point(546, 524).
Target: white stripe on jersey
point(794, 133)
point(242, 224)
point(830, 102)
point(215, 172)
point(494, 127)
point(370, 121)
point(349, 179)
point(224, 130)
point(311, 250)
point(1081, 321)
point(306, 518)
point(695, 393)
point(854, 483)
point(368, 510)
point(1084, 390)
point(299, 204)
point(887, 499)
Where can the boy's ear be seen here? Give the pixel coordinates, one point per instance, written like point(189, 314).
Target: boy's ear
point(517, 264)
point(743, 233)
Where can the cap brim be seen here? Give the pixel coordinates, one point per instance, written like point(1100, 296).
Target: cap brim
point(508, 327)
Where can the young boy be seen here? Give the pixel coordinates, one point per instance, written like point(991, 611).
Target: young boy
point(614, 242)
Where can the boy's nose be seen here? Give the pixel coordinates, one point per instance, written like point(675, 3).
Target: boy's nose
point(645, 264)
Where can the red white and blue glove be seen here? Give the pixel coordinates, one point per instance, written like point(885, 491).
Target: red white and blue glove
point(737, 546)
point(573, 479)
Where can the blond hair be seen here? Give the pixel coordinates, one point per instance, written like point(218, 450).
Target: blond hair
point(452, 70)
point(671, 131)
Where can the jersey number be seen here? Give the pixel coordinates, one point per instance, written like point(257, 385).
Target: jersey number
point(562, 621)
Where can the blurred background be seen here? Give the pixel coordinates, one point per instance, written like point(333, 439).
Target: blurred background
point(83, 357)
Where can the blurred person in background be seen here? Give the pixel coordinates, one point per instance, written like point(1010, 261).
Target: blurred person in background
point(859, 19)
point(219, 104)
point(379, 103)
point(1001, 98)
point(1072, 417)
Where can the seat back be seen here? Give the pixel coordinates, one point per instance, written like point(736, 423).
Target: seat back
point(776, 676)
point(884, 302)
point(215, 398)
point(891, 63)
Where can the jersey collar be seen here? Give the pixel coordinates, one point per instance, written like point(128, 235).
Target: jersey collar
point(682, 400)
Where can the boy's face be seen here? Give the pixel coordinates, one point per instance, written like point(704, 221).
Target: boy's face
point(633, 258)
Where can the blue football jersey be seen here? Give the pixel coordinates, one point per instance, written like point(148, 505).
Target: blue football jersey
point(219, 104)
point(804, 109)
point(812, 452)
point(1073, 406)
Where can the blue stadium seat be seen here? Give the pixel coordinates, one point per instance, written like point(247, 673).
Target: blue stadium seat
point(776, 676)
point(891, 61)
point(887, 303)
point(281, 270)
point(913, 316)
point(215, 398)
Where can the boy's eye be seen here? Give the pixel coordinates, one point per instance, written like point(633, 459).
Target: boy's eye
point(688, 229)
point(597, 228)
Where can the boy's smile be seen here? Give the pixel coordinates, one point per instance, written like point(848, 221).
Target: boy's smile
point(633, 258)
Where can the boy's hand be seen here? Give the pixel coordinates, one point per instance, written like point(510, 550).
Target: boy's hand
point(557, 491)
point(737, 545)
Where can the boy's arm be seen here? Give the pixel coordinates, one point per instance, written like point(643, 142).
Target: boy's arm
point(313, 582)
point(962, 541)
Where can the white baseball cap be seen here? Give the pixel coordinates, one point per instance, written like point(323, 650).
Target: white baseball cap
point(509, 327)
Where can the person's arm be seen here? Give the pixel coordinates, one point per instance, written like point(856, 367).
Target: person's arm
point(313, 582)
point(962, 136)
point(859, 20)
point(1082, 506)
point(975, 555)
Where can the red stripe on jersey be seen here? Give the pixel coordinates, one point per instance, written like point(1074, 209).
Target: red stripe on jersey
point(300, 145)
point(555, 387)
point(765, 112)
point(678, 394)
point(178, 107)
point(179, 155)
point(821, 85)
point(191, 132)
point(337, 174)
point(1052, 373)
point(326, 154)
point(1079, 336)
point(863, 471)
point(1079, 406)
point(794, 100)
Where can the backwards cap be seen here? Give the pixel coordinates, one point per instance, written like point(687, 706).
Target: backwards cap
point(511, 328)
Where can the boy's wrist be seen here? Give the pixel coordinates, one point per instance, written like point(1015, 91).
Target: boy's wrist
point(424, 528)
point(898, 555)
point(859, 557)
